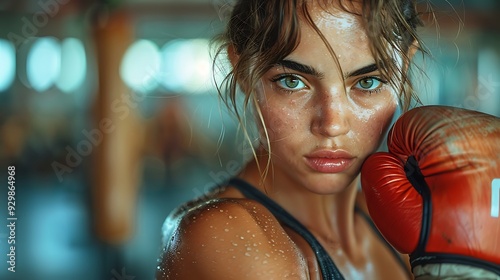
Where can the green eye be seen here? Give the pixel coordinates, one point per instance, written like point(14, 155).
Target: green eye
point(366, 83)
point(369, 84)
point(290, 82)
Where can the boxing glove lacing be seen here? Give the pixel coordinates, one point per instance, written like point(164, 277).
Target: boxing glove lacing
point(417, 180)
point(420, 256)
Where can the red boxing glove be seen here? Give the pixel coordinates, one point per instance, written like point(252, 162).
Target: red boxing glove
point(435, 194)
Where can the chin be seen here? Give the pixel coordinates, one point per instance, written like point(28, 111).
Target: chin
point(330, 186)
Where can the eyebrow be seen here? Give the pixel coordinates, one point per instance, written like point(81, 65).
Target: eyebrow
point(306, 69)
point(362, 71)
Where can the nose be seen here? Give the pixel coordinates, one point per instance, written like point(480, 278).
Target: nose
point(332, 114)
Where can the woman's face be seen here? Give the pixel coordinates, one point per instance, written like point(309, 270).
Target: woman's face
point(322, 122)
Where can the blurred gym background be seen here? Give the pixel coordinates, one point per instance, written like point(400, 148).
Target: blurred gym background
point(109, 115)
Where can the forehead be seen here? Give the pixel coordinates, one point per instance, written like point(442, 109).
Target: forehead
point(341, 27)
point(336, 14)
point(333, 6)
point(337, 21)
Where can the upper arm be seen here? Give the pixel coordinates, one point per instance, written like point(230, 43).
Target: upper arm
point(231, 240)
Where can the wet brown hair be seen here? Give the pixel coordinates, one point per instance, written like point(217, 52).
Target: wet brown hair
point(263, 32)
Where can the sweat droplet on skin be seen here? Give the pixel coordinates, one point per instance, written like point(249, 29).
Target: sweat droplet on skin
point(364, 114)
point(344, 23)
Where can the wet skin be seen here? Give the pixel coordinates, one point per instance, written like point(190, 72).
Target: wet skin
point(321, 122)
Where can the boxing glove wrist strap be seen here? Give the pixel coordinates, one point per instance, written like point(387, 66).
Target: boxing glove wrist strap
point(420, 256)
point(439, 258)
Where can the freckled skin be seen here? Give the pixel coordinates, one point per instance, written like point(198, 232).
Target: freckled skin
point(327, 112)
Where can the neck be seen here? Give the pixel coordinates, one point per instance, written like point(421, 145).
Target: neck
point(329, 217)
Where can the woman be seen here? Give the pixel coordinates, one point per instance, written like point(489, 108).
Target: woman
point(324, 79)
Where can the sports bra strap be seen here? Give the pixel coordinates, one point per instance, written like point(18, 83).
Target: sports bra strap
point(329, 270)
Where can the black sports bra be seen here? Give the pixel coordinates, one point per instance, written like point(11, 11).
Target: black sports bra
point(329, 270)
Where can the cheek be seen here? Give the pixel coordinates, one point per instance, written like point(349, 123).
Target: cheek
point(278, 122)
point(280, 114)
point(372, 124)
point(382, 120)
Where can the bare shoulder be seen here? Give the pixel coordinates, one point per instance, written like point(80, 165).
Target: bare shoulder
point(226, 239)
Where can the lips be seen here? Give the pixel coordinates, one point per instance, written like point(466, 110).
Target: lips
point(329, 161)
